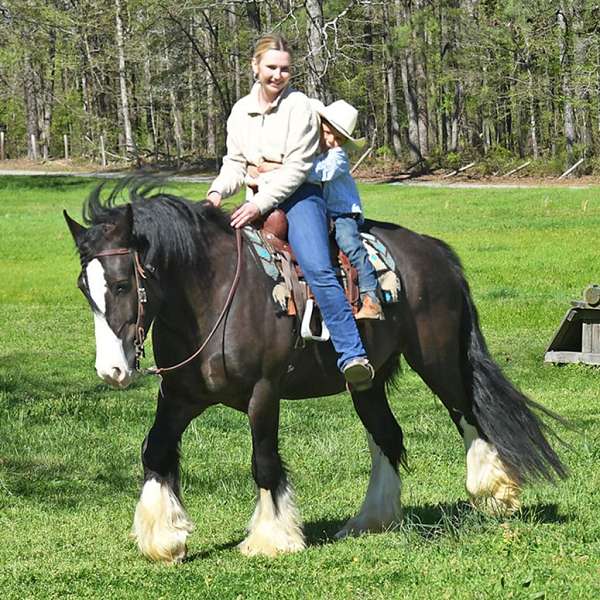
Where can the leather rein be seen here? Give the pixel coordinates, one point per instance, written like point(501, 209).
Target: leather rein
point(142, 299)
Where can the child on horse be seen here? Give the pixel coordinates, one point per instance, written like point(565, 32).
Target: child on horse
point(332, 169)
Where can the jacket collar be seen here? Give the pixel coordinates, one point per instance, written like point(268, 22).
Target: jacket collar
point(254, 103)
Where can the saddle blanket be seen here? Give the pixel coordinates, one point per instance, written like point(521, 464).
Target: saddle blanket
point(379, 255)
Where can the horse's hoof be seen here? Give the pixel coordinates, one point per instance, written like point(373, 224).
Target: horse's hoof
point(161, 525)
point(258, 545)
point(355, 527)
point(502, 507)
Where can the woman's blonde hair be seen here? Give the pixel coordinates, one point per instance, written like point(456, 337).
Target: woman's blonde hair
point(269, 42)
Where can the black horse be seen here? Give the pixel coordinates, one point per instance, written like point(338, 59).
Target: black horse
point(162, 259)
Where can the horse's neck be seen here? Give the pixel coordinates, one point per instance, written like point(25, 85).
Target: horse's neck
point(200, 289)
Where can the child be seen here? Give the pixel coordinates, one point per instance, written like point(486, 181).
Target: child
point(332, 168)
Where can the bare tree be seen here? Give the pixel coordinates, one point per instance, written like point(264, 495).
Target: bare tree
point(563, 19)
point(317, 61)
point(124, 96)
point(402, 16)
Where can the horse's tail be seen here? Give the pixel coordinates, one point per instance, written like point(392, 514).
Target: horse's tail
point(504, 414)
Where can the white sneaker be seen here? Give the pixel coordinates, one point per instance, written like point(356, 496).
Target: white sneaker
point(359, 374)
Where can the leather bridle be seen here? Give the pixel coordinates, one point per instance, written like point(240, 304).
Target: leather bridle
point(142, 298)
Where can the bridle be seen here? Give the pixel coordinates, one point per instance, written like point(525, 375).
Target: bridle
point(142, 299)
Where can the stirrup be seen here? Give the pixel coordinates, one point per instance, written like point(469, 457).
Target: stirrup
point(305, 331)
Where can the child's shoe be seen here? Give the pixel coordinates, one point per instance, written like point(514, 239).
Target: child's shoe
point(370, 309)
point(359, 374)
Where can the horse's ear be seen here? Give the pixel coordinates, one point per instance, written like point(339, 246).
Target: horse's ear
point(124, 226)
point(77, 230)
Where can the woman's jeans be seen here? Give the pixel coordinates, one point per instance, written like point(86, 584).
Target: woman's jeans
point(348, 239)
point(308, 236)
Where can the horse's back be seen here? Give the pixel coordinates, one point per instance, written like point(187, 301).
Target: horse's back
point(420, 259)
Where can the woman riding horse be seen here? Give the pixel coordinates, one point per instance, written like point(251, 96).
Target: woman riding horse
point(276, 124)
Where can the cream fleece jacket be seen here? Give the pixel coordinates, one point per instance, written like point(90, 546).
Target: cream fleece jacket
point(286, 132)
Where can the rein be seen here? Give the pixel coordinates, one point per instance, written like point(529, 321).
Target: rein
point(140, 333)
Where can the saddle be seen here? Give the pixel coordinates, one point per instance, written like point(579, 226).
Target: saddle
point(293, 294)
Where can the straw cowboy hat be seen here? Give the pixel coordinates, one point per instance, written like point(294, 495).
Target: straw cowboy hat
point(340, 114)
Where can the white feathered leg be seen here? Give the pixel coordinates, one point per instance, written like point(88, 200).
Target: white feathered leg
point(275, 527)
point(489, 483)
point(161, 525)
point(381, 506)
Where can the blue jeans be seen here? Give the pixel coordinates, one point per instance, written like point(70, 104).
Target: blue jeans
point(348, 239)
point(309, 237)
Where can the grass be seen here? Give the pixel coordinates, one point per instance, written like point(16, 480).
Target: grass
point(69, 446)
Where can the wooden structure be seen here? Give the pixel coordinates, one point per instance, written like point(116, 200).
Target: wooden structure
point(577, 340)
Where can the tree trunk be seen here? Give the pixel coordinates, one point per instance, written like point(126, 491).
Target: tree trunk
point(420, 70)
point(583, 96)
point(47, 95)
point(175, 114)
point(233, 26)
point(31, 109)
point(533, 128)
point(316, 85)
point(565, 45)
point(532, 117)
point(402, 17)
point(370, 120)
point(124, 96)
point(389, 59)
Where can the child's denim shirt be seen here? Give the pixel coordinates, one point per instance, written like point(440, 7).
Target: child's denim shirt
point(339, 188)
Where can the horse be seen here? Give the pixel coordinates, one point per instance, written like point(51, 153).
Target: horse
point(159, 259)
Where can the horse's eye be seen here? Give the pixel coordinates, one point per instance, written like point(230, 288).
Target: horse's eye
point(122, 287)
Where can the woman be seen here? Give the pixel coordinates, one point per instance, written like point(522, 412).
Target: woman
point(276, 126)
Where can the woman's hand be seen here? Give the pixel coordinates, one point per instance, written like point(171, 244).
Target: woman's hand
point(246, 213)
point(215, 198)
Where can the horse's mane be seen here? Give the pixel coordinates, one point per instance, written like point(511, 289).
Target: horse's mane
point(167, 228)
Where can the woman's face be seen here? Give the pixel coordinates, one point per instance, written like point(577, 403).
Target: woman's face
point(272, 72)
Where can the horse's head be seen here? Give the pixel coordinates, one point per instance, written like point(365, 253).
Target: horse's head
point(109, 279)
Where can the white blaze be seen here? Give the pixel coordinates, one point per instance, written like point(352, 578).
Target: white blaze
point(111, 362)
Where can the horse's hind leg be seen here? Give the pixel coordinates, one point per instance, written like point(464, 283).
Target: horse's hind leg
point(275, 526)
point(161, 525)
point(490, 483)
point(381, 506)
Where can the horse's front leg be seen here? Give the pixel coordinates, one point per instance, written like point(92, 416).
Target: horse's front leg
point(275, 526)
point(161, 525)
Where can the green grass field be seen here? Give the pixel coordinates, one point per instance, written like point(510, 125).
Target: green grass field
point(69, 446)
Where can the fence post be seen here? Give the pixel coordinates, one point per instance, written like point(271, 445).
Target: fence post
point(1, 145)
point(66, 142)
point(102, 151)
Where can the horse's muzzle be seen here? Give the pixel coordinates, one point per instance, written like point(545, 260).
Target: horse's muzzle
point(117, 377)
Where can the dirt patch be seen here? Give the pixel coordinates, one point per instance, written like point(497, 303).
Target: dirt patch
point(52, 166)
point(395, 173)
point(378, 173)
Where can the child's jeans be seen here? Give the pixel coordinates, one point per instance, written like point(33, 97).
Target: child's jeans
point(309, 237)
point(348, 239)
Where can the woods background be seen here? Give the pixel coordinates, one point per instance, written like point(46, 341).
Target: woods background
point(436, 82)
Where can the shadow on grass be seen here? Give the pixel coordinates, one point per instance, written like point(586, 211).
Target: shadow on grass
point(544, 513)
point(60, 486)
point(209, 552)
point(27, 375)
point(319, 533)
point(431, 521)
point(54, 182)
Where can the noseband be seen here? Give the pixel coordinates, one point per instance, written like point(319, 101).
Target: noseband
point(140, 332)
point(142, 297)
